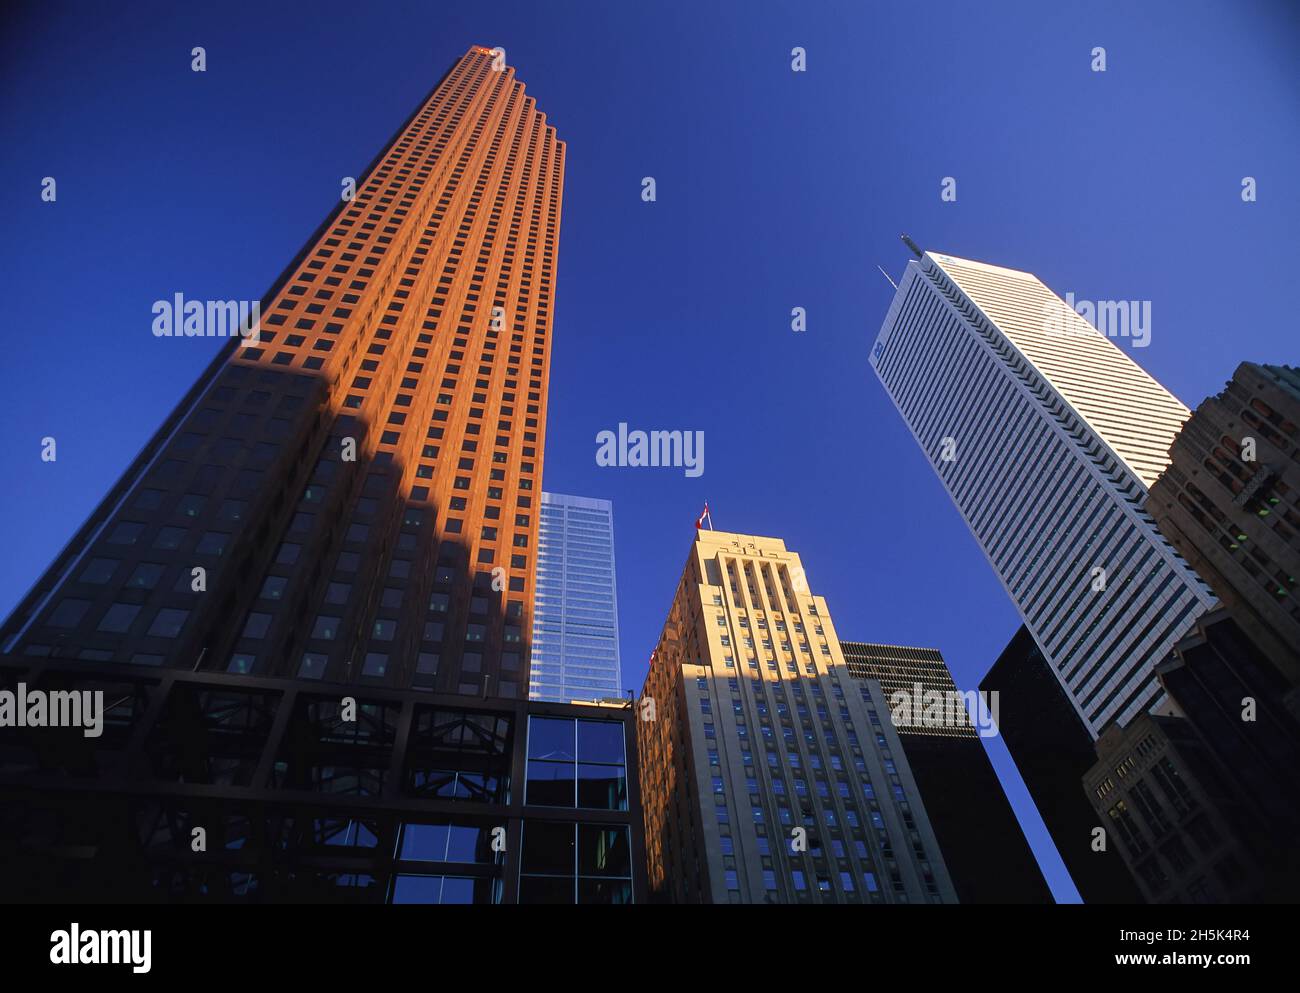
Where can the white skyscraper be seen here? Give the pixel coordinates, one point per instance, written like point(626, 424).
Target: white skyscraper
point(575, 619)
point(1046, 436)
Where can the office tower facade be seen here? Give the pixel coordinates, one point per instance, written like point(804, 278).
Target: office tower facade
point(983, 847)
point(1230, 503)
point(1053, 751)
point(1046, 437)
point(1170, 814)
point(575, 624)
point(358, 487)
point(770, 775)
point(308, 600)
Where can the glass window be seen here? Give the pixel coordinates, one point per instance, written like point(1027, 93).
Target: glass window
point(145, 576)
point(600, 741)
point(326, 628)
point(257, 625)
point(273, 588)
point(68, 613)
point(169, 538)
point(126, 533)
point(168, 623)
point(99, 571)
point(313, 665)
point(117, 619)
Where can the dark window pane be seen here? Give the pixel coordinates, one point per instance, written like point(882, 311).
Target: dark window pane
point(538, 889)
point(606, 891)
point(548, 849)
point(550, 738)
point(550, 784)
point(602, 787)
point(603, 850)
point(600, 741)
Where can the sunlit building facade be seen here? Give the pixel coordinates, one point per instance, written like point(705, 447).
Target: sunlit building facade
point(769, 773)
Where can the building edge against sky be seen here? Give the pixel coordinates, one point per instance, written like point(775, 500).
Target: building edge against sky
point(1046, 437)
point(575, 653)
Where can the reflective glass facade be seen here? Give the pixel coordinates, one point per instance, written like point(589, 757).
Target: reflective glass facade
point(575, 628)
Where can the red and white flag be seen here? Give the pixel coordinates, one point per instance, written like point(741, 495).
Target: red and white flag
point(699, 523)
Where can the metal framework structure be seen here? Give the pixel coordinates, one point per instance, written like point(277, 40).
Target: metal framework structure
point(296, 804)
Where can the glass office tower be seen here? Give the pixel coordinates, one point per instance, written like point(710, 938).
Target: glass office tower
point(575, 626)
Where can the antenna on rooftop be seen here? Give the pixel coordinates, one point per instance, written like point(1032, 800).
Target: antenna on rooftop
point(912, 245)
point(886, 275)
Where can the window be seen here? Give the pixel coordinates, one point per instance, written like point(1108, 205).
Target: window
point(313, 665)
point(576, 763)
point(212, 543)
point(274, 587)
point(445, 890)
point(575, 863)
point(99, 571)
point(169, 538)
point(326, 628)
point(117, 619)
point(126, 533)
point(168, 623)
point(68, 613)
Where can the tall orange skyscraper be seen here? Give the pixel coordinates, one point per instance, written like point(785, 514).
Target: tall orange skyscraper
point(306, 607)
point(353, 497)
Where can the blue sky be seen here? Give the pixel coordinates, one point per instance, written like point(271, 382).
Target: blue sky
point(775, 190)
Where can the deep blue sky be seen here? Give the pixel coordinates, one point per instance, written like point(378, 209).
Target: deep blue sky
point(775, 190)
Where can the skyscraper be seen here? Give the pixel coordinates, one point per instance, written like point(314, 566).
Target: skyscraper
point(983, 846)
point(359, 486)
point(307, 603)
point(1046, 436)
point(575, 627)
point(769, 774)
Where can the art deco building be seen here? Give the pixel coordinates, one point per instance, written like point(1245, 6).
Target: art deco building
point(575, 627)
point(1046, 436)
point(1230, 503)
point(769, 774)
point(1053, 751)
point(983, 846)
point(308, 600)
